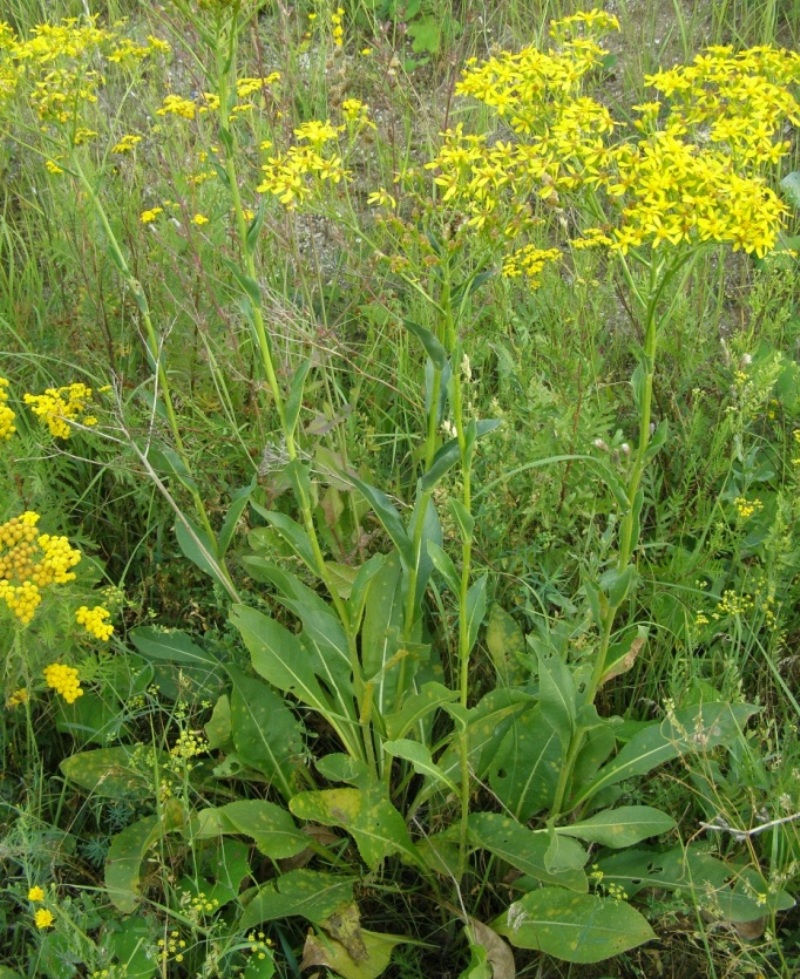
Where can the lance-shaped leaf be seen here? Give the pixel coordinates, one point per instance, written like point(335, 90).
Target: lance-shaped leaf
point(524, 770)
point(529, 852)
point(309, 894)
point(579, 928)
point(419, 756)
point(621, 827)
point(270, 826)
point(690, 730)
point(376, 826)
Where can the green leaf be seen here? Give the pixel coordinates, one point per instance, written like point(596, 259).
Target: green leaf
point(420, 757)
point(377, 827)
point(557, 694)
point(218, 727)
point(433, 348)
point(444, 565)
point(295, 400)
point(337, 767)
point(265, 732)
point(310, 894)
point(255, 226)
point(291, 532)
point(579, 928)
point(197, 546)
point(616, 584)
point(165, 459)
point(128, 850)
point(381, 633)
point(418, 707)
point(173, 646)
point(278, 656)
point(388, 516)
point(270, 826)
point(372, 961)
point(444, 460)
point(426, 34)
point(790, 185)
point(506, 645)
point(108, 773)
point(463, 518)
point(476, 609)
point(621, 827)
point(236, 508)
point(528, 851)
point(525, 768)
point(622, 654)
point(690, 730)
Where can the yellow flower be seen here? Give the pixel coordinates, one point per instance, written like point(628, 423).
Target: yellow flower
point(127, 144)
point(65, 680)
point(147, 217)
point(58, 406)
point(199, 220)
point(43, 918)
point(7, 416)
point(17, 699)
point(36, 894)
point(94, 621)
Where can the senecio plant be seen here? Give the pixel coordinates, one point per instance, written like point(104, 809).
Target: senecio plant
point(438, 784)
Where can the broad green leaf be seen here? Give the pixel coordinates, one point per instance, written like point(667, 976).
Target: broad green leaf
point(485, 724)
point(278, 656)
point(265, 732)
point(623, 653)
point(337, 767)
point(323, 637)
point(381, 633)
point(291, 532)
point(418, 707)
point(463, 518)
point(200, 549)
point(377, 827)
point(420, 758)
point(218, 726)
point(388, 516)
point(361, 587)
point(690, 730)
point(790, 185)
point(109, 773)
point(295, 400)
point(528, 851)
point(236, 508)
point(444, 460)
point(171, 645)
point(128, 850)
point(579, 928)
point(621, 827)
point(444, 565)
point(557, 694)
point(433, 348)
point(270, 826)
point(476, 609)
point(310, 894)
point(323, 950)
point(478, 966)
point(726, 892)
point(506, 645)
point(525, 768)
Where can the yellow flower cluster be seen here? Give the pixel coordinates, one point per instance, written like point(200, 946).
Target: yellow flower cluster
point(336, 26)
point(529, 261)
point(684, 174)
point(294, 176)
point(59, 406)
point(36, 894)
point(17, 699)
point(29, 563)
point(7, 416)
point(127, 144)
point(177, 105)
point(95, 621)
point(173, 945)
point(746, 508)
point(737, 100)
point(54, 59)
point(65, 680)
